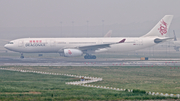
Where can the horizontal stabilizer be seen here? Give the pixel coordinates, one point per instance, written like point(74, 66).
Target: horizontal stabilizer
point(157, 40)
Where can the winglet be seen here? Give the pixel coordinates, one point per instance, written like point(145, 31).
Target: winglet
point(122, 41)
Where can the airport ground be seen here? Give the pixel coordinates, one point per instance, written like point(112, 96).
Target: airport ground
point(122, 70)
point(155, 58)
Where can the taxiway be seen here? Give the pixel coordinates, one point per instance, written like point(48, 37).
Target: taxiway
point(82, 62)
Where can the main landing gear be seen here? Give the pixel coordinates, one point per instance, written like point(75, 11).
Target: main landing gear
point(22, 56)
point(88, 56)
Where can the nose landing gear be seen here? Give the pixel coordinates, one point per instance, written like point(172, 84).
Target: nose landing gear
point(22, 56)
point(88, 56)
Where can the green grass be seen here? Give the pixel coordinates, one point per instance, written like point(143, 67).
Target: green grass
point(19, 86)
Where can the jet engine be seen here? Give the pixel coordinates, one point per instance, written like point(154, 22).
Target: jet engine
point(72, 52)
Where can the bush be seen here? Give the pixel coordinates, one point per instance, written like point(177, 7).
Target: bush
point(139, 91)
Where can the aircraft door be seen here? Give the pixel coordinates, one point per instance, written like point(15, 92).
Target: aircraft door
point(53, 43)
point(100, 41)
point(138, 42)
point(21, 43)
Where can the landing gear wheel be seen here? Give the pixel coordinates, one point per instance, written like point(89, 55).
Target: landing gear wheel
point(85, 57)
point(21, 57)
point(93, 57)
point(89, 56)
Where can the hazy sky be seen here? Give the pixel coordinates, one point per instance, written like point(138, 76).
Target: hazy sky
point(49, 13)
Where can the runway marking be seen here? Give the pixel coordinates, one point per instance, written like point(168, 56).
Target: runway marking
point(90, 80)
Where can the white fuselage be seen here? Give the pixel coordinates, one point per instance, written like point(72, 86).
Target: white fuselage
point(57, 45)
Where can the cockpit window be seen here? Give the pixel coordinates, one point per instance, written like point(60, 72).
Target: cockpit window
point(10, 43)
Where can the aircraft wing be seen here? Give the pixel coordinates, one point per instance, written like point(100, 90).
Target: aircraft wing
point(99, 46)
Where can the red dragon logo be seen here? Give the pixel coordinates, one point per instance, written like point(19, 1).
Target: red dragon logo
point(69, 52)
point(163, 27)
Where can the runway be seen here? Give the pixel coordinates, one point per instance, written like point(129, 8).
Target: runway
point(82, 62)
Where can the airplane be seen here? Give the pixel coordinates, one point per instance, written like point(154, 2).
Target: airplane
point(176, 43)
point(173, 43)
point(71, 47)
point(108, 34)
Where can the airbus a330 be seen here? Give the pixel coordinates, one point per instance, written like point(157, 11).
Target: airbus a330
point(70, 47)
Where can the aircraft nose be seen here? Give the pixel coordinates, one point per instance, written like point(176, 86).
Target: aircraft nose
point(6, 46)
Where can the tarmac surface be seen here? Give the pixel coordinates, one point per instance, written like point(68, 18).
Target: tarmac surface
point(7, 61)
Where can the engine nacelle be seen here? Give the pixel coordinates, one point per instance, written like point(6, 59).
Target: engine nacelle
point(72, 52)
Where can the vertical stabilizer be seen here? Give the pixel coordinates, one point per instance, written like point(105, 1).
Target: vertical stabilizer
point(108, 34)
point(175, 39)
point(161, 27)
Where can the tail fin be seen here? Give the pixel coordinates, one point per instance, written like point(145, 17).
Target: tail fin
point(108, 33)
point(175, 39)
point(161, 27)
